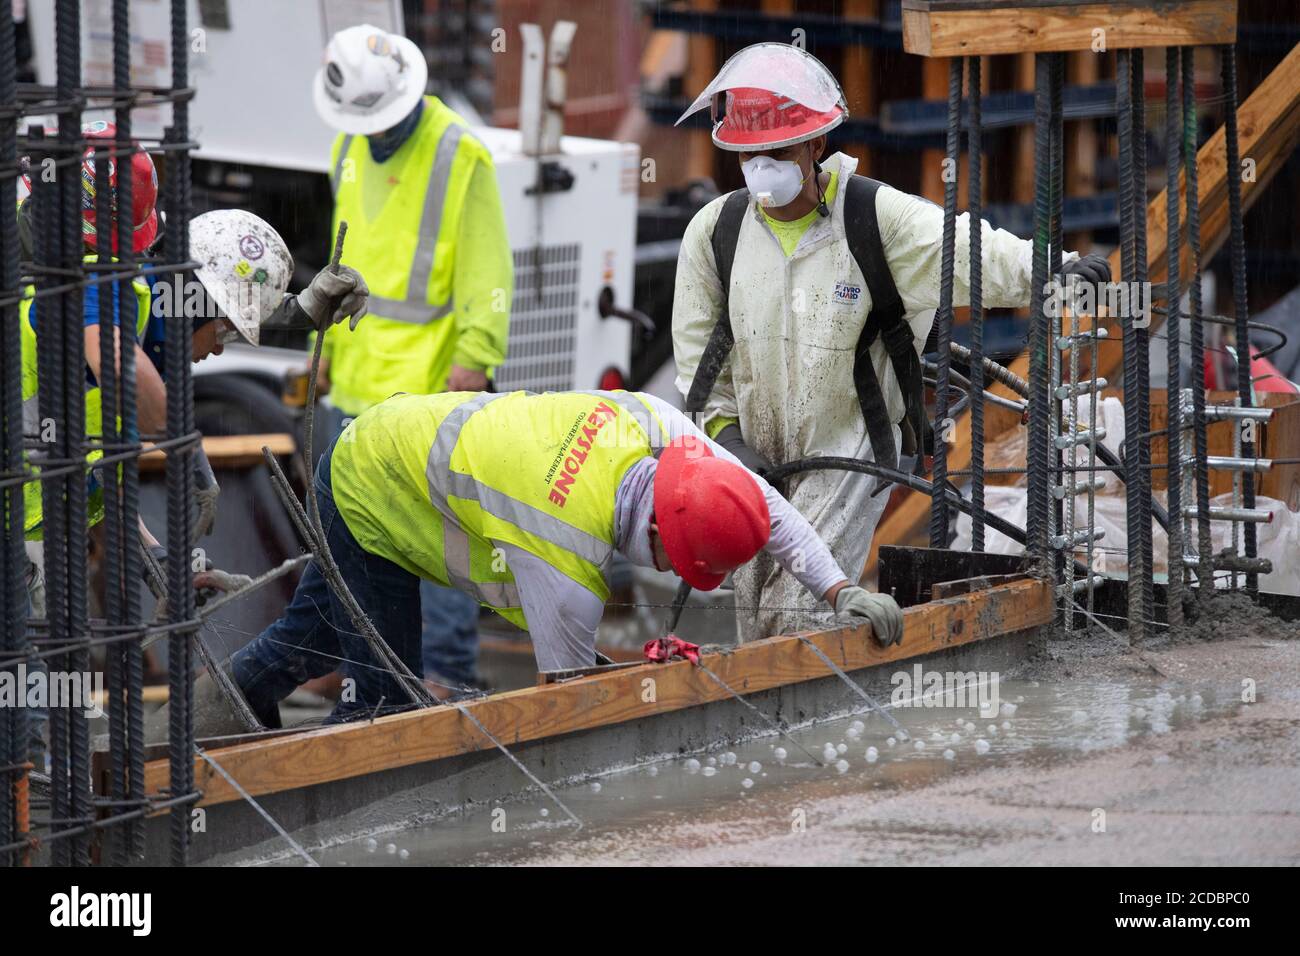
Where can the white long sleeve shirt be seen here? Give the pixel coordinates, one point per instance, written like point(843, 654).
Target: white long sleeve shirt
point(563, 615)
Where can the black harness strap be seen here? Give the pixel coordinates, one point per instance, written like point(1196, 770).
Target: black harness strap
point(886, 321)
point(726, 233)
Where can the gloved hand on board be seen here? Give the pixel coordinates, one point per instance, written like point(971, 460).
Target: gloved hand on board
point(880, 609)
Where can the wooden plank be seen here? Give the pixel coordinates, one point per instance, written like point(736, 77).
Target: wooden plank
point(230, 451)
point(350, 750)
point(1268, 128)
point(963, 29)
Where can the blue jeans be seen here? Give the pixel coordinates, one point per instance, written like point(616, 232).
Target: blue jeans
point(315, 636)
point(450, 618)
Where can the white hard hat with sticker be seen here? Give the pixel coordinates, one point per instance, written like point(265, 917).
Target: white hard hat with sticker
point(244, 266)
point(370, 80)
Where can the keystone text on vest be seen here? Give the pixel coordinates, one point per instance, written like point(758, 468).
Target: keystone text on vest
point(578, 445)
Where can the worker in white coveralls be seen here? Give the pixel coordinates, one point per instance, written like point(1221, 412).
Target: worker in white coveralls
point(520, 500)
point(803, 303)
point(425, 225)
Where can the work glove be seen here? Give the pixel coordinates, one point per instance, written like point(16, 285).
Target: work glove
point(880, 609)
point(331, 297)
point(213, 581)
point(1092, 268)
point(206, 491)
point(730, 439)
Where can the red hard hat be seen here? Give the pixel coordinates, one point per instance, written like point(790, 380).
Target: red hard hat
point(712, 516)
point(144, 191)
point(756, 120)
point(771, 95)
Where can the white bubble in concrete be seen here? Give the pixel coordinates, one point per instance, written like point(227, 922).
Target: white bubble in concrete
point(950, 754)
point(1139, 712)
point(955, 739)
point(746, 783)
point(993, 730)
point(969, 727)
point(1008, 709)
point(919, 745)
point(842, 749)
point(829, 753)
point(872, 755)
point(595, 786)
point(545, 813)
point(713, 761)
point(858, 725)
point(755, 766)
point(729, 757)
point(1006, 725)
point(372, 845)
point(779, 753)
point(842, 765)
point(937, 735)
point(890, 741)
point(692, 765)
point(390, 848)
point(710, 771)
point(981, 746)
point(404, 854)
point(652, 770)
point(852, 734)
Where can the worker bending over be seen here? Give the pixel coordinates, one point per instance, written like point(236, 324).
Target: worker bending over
point(827, 282)
point(419, 193)
point(521, 500)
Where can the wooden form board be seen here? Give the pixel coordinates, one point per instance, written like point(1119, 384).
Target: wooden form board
point(415, 737)
point(941, 28)
point(230, 451)
point(1268, 129)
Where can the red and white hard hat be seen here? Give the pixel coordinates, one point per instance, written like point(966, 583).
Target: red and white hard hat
point(711, 514)
point(370, 80)
point(771, 95)
point(144, 191)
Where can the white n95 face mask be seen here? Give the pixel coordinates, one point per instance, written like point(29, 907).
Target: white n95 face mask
point(772, 182)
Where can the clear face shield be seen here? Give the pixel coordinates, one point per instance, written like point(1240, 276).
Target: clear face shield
point(776, 67)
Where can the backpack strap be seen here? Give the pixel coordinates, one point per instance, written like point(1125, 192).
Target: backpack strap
point(886, 321)
point(726, 234)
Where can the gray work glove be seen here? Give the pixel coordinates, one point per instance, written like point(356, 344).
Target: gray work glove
point(731, 439)
point(332, 297)
point(1092, 268)
point(206, 491)
point(880, 609)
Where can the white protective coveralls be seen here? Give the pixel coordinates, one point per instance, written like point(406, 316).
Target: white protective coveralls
point(789, 379)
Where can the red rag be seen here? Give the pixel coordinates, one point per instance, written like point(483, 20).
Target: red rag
point(660, 650)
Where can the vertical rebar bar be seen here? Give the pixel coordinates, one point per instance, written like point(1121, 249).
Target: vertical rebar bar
point(1196, 328)
point(1240, 310)
point(1132, 370)
point(1039, 444)
point(1143, 330)
point(975, 203)
point(1056, 242)
point(180, 592)
point(943, 316)
point(13, 556)
point(1173, 338)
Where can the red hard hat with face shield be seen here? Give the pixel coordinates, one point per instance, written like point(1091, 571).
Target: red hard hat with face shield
point(711, 513)
point(771, 95)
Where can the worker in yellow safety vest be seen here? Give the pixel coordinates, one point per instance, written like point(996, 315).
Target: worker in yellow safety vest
point(521, 500)
point(425, 225)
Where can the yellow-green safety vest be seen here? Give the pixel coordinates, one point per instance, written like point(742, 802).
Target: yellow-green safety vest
point(94, 413)
point(431, 481)
point(403, 218)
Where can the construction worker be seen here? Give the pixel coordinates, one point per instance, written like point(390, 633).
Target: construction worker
point(521, 500)
point(827, 282)
point(425, 224)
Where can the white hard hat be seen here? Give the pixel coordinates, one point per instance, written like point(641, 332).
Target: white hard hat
point(244, 266)
point(370, 80)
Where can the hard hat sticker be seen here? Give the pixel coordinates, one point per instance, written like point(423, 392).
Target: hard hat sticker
point(242, 268)
point(251, 247)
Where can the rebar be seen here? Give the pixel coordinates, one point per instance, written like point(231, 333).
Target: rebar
point(1173, 336)
point(975, 203)
point(1039, 443)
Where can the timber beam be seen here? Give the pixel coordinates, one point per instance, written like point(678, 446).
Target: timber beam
point(346, 751)
point(943, 28)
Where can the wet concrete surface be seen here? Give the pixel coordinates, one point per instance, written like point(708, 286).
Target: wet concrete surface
point(1188, 753)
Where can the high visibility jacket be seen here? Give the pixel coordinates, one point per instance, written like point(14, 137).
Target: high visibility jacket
point(404, 235)
point(94, 413)
point(431, 481)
